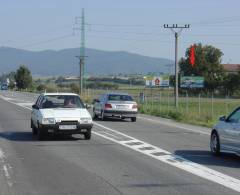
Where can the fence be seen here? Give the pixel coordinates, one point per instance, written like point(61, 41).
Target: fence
point(202, 108)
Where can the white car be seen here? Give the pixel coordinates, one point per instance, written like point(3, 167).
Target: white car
point(60, 113)
point(115, 105)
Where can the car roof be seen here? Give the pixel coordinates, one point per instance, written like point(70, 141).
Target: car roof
point(45, 94)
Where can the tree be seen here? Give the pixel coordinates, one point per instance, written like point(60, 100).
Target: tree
point(23, 77)
point(41, 87)
point(60, 80)
point(74, 88)
point(207, 64)
point(231, 83)
point(11, 76)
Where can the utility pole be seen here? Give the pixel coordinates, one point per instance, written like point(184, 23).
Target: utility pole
point(176, 30)
point(82, 51)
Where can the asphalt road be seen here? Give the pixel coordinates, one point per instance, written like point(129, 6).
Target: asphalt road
point(151, 156)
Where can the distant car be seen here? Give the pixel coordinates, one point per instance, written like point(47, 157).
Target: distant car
point(60, 113)
point(225, 136)
point(115, 105)
point(4, 87)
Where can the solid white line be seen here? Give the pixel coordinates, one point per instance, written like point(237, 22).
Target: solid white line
point(174, 125)
point(173, 160)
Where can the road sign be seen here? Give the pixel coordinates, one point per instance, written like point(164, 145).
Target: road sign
point(157, 81)
point(192, 82)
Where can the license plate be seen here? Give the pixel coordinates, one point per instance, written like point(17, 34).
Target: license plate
point(84, 130)
point(121, 106)
point(67, 127)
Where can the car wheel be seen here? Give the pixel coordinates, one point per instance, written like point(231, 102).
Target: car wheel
point(40, 133)
point(34, 129)
point(214, 143)
point(133, 119)
point(102, 116)
point(94, 115)
point(87, 135)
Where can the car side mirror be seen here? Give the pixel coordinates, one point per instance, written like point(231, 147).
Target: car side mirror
point(35, 107)
point(222, 118)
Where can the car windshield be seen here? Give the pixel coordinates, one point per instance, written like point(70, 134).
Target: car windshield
point(116, 97)
point(61, 101)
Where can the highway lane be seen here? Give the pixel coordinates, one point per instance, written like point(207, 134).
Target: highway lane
point(99, 166)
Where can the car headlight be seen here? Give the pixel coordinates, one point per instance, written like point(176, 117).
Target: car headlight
point(86, 120)
point(47, 121)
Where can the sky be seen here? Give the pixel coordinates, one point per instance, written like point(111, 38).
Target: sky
point(122, 25)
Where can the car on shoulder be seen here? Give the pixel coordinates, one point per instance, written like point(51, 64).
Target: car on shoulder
point(225, 135)
point(60, 113)
point(115, 105)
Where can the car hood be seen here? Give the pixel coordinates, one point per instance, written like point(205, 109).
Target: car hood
point(65, 113)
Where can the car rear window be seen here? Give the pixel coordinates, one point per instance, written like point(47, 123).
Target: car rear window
point(61, 101)
point(115, 97)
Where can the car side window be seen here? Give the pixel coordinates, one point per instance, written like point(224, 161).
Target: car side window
point(234, 117)
point(101, 98)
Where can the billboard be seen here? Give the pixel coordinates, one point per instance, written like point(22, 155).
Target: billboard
point(192, 82)
point(157, 81)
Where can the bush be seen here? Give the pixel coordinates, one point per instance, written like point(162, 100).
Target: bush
point(74, 88)
point(41, 87)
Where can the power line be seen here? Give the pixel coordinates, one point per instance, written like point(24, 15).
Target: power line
point(29, 36)
point(124, 32)
point(47, 41)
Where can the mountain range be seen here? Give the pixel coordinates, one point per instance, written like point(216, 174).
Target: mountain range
point(65, 62)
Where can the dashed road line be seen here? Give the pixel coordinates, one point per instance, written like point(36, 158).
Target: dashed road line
point(167, 157)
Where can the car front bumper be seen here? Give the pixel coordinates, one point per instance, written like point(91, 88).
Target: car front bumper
point(54, 128)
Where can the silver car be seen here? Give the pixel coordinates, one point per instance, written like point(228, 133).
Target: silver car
point(115, 105)
point(225, 136)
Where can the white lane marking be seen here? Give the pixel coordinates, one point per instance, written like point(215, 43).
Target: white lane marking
point(181, 163)
point(18, 104)
point(6, 98)
point(25, 104)
point(5, 167)
point(173, 160)
point(174, 125)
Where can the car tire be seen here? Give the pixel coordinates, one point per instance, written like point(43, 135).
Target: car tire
point(102, 116)
point(133, 119)
point(94, 115)
point(34, 129)
point(215, 143)
point(40, 133)
point(88, 134)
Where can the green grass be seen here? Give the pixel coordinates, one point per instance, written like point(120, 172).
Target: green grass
point(189, 111)
point(203, 111)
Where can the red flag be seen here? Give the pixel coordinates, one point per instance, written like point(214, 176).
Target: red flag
point(192, 55)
